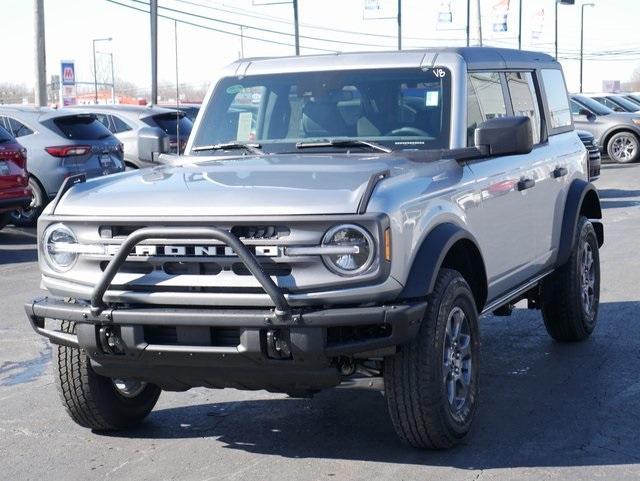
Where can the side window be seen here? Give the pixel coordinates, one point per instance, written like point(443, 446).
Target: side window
point(18, 129)
point(485, 100)
point(524, 100)
point(119, 125)
point(556, 93)
point(576, 108)
point(104, 120)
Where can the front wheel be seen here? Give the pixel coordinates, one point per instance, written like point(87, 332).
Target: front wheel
point(624, 147)
point(27, 216)
point(571, 295)
point(431, 384)
point(95, 401)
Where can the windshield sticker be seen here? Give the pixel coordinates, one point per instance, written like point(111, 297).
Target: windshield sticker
point(244, 126)
point(235, 89)
point(431, 98)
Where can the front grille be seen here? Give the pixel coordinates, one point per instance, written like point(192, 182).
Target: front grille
point(192, 336)
point(245, 232)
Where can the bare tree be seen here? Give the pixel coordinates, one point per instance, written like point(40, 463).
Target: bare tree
point(11, 93)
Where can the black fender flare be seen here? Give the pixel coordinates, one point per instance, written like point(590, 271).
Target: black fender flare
point(582, 198)
point(429, 259)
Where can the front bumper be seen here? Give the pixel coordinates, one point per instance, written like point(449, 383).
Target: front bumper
point(196, 357)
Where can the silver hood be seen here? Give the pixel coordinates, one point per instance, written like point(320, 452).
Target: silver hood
point(243, 186)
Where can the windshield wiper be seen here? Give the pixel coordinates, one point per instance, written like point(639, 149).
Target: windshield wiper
point(253, 148)
point(342, 143)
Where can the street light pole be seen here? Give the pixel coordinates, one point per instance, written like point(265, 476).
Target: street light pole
point(153, 17)
point(40, 55)
point(399, 24)
point(520, 26)
point(296, 27)
point(95, 67)
point(468, 23)
point(582, 39)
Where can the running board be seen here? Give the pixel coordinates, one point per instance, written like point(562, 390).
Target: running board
point(501, 301)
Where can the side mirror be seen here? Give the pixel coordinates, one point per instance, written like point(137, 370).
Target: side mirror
point(584, 112)
point(504, 136)
point(152, 141)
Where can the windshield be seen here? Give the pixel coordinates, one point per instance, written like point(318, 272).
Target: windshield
point(396, 108)
point(169, 123)
point(593, 105)
point(628, 105)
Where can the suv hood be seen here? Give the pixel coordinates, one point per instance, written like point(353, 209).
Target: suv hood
point(290, 184)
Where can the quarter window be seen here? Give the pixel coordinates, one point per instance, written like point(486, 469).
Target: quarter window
point(485, 100)
point(557, 99)
point(119, 125)
point(524, 100)
point(18, 129)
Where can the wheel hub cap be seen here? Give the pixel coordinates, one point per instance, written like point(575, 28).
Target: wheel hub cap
point(457, 363)
point(587, 277)
point(624, 148)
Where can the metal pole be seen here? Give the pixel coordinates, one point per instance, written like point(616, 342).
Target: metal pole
point(40, 55)
point(556, 41)
point(520, 26)
point(175, 30)
point(154, 50)
point(296, 26)
point(399, 24)
point(582, 40)
point(95, 74)
point(468, 23)
point(113, 81)
point(479, 23)
point(241, 41)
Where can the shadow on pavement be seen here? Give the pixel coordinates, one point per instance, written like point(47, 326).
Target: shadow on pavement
point(542, 404)
point(10, 239)
point(618, 198)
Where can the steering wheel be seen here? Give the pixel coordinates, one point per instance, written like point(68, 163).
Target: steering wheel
point(408, 132)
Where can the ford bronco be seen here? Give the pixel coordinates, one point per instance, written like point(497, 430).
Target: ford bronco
point(336, 220)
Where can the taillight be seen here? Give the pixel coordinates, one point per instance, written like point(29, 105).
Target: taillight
point(68, 150)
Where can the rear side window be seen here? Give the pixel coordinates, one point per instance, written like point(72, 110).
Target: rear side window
point(81, 127)
point(169, 123)
point(557, 99)
point(104, 120)
point(119, 125)
point(5, 136)
point(485, 100)
point(17, 128)
point(524, 100)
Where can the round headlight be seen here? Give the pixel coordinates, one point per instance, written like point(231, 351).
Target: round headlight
point(349, 236)
point(58, 247)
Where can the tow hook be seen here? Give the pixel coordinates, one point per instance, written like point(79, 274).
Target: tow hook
point(278, 344)
point(110, 340)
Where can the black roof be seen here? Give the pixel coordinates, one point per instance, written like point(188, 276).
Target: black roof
point(491, 58)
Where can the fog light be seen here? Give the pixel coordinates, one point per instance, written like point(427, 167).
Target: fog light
point(110, 340)
point(278, 344)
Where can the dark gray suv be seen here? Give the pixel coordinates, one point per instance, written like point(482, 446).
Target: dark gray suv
point(617, 133)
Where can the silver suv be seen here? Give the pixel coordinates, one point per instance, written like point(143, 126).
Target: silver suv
point(338, 219)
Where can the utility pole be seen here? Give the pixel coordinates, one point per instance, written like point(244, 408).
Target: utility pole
point(582, 39)
point(468, 23)
point(153, 11)
point(241, 41)
point(296, 26)
point(175, 31)
point(479, 23)
point(40, 55)
point(399, 24)
point(95, 68)
point(520, 26)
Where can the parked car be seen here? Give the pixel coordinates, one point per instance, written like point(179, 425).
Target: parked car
point(593, 151)
point(388, 201)
point(616, 102)
point(14, 179)
point(191, 110)
point(634, 97)
point(128, 122)
point(617, 133)
point(59, 143)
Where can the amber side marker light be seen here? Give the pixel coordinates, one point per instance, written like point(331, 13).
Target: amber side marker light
point(387, 245)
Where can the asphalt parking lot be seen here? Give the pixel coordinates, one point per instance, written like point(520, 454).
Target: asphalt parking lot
point(548, 411)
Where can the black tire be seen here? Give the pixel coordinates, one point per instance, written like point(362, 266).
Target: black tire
point(569, 309)
point(92, 400)
point(624, 147)
point(29, 216)
point(5, 217)
point(417, 377)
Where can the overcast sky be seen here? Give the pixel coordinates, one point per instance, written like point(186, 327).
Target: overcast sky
point(72, 24)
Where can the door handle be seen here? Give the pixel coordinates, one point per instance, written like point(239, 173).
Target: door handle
point(559, 172)
point(525, 184)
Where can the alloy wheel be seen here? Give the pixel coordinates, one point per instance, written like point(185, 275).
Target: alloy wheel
point(457, 363)
point(624, 148)
point(587, 277)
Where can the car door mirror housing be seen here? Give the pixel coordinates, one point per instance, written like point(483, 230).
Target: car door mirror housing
point(504, 136)
point(152, 141)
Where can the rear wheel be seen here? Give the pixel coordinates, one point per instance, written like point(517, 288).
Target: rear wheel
point(95, 401)
point(431, 384)
point(571, 295)
point(27, 216)
point(624, 147)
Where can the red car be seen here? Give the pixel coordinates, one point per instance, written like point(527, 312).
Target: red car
point(14, 179)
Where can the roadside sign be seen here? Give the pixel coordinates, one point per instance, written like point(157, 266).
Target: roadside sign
point(68, 94)
point(380, 9)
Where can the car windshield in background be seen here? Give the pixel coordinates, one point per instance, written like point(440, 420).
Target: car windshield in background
point(593, 105)
point(81, 127)
point(626, 104)
point(169, 123)
point(395, 108)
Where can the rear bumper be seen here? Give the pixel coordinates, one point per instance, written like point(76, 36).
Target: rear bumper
point(194, 355)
